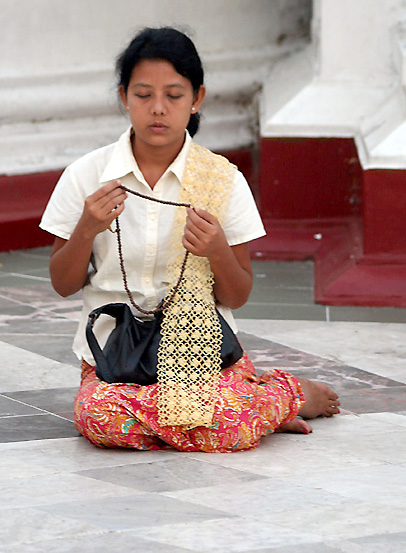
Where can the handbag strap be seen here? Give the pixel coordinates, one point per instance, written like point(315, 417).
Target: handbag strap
point(100, 359)
point(122, 314)
point(166, 301)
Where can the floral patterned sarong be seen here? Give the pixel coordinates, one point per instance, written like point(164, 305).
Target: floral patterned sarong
point(248, 407)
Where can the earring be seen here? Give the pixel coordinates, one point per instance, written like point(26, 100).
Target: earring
point(193, 109)
point(127, 108)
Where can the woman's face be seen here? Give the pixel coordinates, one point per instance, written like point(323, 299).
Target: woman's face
point(160, 101)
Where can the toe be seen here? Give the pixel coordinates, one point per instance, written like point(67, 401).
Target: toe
point(305, 427)
point(331, 410)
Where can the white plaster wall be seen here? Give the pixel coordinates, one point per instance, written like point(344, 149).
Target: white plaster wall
point(57, 87)
point(350, 81)
point(60, 36)
point(356, 41)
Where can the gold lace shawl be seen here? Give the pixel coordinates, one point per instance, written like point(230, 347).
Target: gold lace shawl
point(189, 351)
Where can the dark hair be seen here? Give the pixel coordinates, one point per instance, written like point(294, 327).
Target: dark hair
point(168, 44)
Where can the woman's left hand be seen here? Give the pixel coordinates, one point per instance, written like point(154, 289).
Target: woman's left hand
point(203, 235)
point(231, 266)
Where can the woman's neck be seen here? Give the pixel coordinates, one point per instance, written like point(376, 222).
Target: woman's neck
point(153, 161)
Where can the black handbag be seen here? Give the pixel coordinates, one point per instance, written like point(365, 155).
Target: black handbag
point(130, 353)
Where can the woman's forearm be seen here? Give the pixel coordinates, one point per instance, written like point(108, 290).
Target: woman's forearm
point(70, 259)
point(232, 276)
point(69, 263)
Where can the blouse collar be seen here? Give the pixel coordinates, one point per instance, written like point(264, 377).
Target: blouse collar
point(123, 162)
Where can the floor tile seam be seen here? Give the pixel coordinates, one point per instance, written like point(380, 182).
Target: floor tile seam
point(122, 491)
point(44, 411)
point(61, 311)
point(264, 321)
point(36, 309)
point(80, 534)
point(35, 254)
point(45, 334)
point(335, 366)
point(331, 358)
point(218, 514)
point(278, 288)
point(222, 512)
point(277, 282)
point(120, 464)
point(30, 276)
point(280, 478)
point(398, 384)
point(198, 456)
point(27, 445)
point(278, 304)
point(42, 414)
point(318, 472)
point(18, 302)
point(334, 441)
point(360, 412)
point(94, 530)
point(312, 537)
point(362, 387)
point(56, 389)
point(290, 478)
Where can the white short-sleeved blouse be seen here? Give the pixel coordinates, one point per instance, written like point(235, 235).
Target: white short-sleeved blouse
point(145, 225)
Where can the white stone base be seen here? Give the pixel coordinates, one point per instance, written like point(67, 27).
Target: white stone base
point(295, 103)
point(318, 94)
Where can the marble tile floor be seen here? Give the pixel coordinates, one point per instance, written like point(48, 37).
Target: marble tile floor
point(340, 489)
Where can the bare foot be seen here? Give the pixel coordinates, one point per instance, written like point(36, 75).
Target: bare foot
point(320, 400)
point(298, 426)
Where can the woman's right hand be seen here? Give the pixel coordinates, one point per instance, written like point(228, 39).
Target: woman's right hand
point(70, 258)
point(102, 208)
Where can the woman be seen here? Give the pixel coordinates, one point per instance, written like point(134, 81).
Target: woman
point(195, 406)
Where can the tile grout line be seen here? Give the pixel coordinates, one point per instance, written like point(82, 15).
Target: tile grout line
point(26, 415)
point(280, 304)
point(31, 277)
point(36, 309)
point(35, 334)
point(33, 255)
point(44, 411)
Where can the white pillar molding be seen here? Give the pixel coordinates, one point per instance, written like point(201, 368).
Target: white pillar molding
point(57, 86)
point(56, 118)
point(350, 82)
